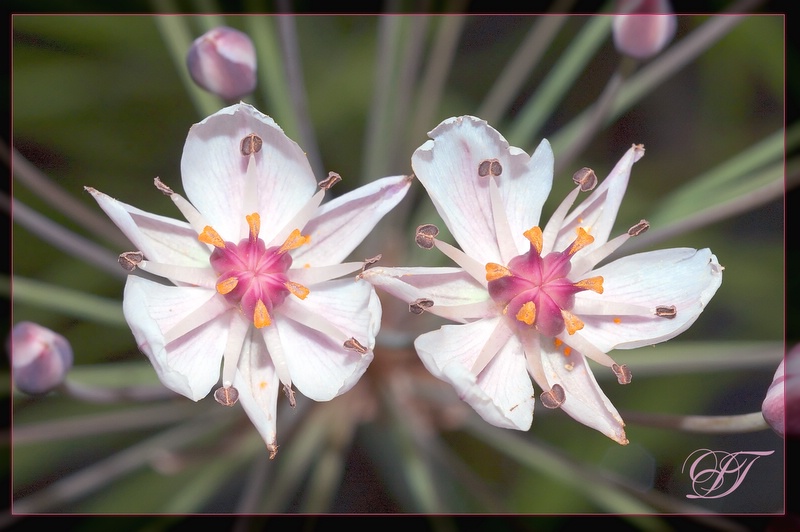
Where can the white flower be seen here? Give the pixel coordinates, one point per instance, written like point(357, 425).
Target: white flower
point(253, 272)
point(532, 301)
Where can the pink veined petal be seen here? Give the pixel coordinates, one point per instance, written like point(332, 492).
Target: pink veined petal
point(681, 277)
point(160, 238)
point(342, 224)
point(585, 401)
point(189, 365)
point(446, 287)
point(598, 212)
point(502, 394)
point(321, 367)
point(448, 168)
point(258, 387)
point(214, 172)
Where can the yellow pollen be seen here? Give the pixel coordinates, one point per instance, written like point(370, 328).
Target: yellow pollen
point(534, 236)
point(617, 320)
point(254, 221)
point(297, 289)
point(572, 321)
point(306, 265)
point(227, 286)
point(209, 236)
point(496, 271)
point(261, 316)
point(558, 342)
point(527, 314)
point(595, 284)
point(567, 351)
point(583, 240)
point(262, 384)
point(294, 241)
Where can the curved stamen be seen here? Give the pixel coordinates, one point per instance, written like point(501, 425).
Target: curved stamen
point(497, 340)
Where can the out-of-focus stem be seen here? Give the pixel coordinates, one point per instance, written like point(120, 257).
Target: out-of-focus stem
point(93, 394)
point(737, 424)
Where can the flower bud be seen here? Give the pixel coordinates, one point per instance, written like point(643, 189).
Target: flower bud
point(645, 29)
point(223, 61)
point(781, 406)
point(40, 358)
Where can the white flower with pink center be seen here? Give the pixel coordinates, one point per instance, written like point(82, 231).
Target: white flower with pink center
point(255, 274)
point(532, 301)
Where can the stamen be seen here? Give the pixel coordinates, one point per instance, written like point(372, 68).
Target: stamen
point(250, 144)
point(496, 271)
point(191, 214)
point(297, 289)
point(585, 178)
point(227, 286)
point(497, 340)
point(665, 311)
point(556, 221)
point(130, 260)
point(534, 236)
point(190, 275)
point(287, 390)
point(572, 322)
point(209, 236)
point(329, 181)
point(420, 305)
point(273, 450)
point(583, 240)
point(261, 315)
point(595, 284)
point(355, 345)
point(489, 167)
point(527, 313)
point(505, 238)
point(474, 268)
point(622, 372)
point(425, 236)
point(162, 187)
point(639, 228)
point(294, 241)
point(367, 263)
point(254, 222)
point(226, 395)
point(553, 398)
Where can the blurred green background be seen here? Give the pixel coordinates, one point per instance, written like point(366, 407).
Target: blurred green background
point(100, 101)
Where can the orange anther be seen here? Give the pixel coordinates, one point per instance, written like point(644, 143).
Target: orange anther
point(227, 286)
point(572, 322)
point(297, 289)
point(209, 236)
point(583, 240)
point(496, 271)
point(534, 236)
point(294, 241)
point(595, 284)
point(527, 313)
point(261, 316)
point(254, 222)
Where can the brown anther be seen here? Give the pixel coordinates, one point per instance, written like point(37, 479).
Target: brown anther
point(329, 181)
point(585, 178)
point(639, 228)
point(490, 167)
point(226, 396)
point(622, 372)
point(420, 305)
point(370, 261)
point(130, 260)
point(425, 235)
point(250, 144)
point(162, 187)
point(273, 450)
point(289, 395)
point(554, 397)
point(355, 345)
point(666, 311)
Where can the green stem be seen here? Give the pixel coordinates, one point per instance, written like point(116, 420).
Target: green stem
point(738, 424)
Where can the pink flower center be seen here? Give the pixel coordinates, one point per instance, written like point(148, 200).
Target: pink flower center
point(536, 290)
point(252, 276)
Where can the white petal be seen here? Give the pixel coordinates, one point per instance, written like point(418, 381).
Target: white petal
point(683, 277)
point(214, 172)
point(585, 401)
point(190, 364)
point(446, 287)
point(448, 168)
point(342, 224)
point(321, 367)
point(258, 387)
point(502, 393)
point(161, 239)
point(598, 212)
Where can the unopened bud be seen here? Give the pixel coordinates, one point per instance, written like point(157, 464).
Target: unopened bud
point(645, 28)
point(781, 406)
point(40, 358)
point(223, 61)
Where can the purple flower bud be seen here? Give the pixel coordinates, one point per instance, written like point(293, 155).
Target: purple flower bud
point(781, 406)
point(645, 29)
point(223, 61)
point(40, 358)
